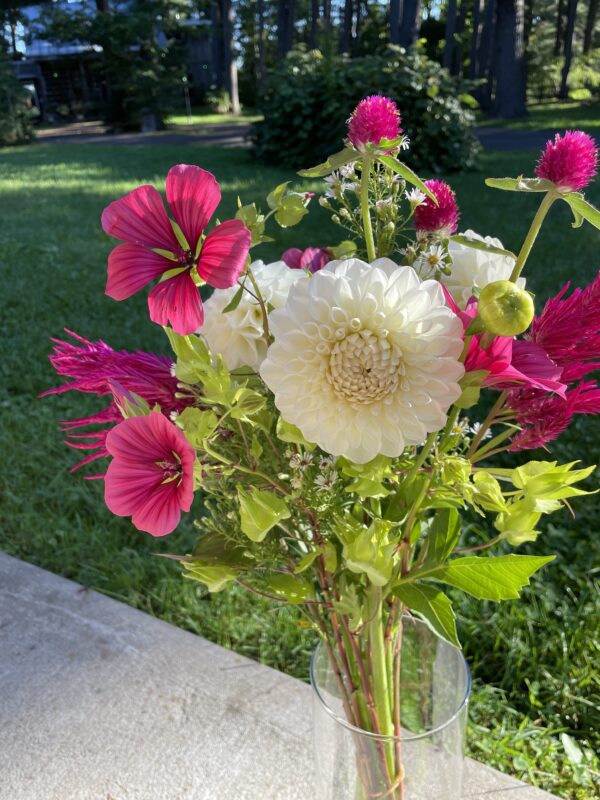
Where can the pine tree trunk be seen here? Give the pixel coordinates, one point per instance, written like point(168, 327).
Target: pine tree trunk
point(559, 35)
point(218, 45)
point(509, 100)
point(314, 24)
point(346, 38)
point(450, 29)
point(395, 16)
point(457, 56)
point(262, 69)
point(410, 22)
point(485, 61)
point(475, 38)
point(590, 24)
point(231, 74)
point(564, 82)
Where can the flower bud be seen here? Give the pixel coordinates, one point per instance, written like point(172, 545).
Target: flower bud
point(505, 308)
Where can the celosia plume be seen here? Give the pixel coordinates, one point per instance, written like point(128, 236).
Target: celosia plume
point(441, 218)
point(374, 118)
point(570, 161)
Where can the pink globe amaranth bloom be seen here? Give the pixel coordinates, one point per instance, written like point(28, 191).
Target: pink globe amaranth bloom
point(98, 369)
point(570, 161)
point(374, 118)
point(151, 475)
point(441, 218)
point(312, 259)
point(140, 220)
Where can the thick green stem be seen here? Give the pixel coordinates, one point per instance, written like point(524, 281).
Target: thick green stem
point(549, 198)
point(364, 209)
point(382, 695)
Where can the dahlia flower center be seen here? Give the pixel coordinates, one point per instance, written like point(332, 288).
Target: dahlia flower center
point(364, 367)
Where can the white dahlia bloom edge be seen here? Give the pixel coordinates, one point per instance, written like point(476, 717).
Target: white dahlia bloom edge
point(365, 358)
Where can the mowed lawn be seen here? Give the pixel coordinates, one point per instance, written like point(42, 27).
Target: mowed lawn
point(535, 662)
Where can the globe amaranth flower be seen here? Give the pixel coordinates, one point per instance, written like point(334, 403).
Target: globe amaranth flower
point(570, 161)
point(238, 335)
point(442, 218)
point(312, 258)
point(474, 269)
point(98, 369)
point(151, 475)
point(374, 118)
point(152, 247)
point(365, 358)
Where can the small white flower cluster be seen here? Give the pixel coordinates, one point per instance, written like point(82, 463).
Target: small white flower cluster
point(343, 180)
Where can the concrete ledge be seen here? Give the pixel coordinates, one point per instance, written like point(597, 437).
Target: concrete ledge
point(99, 701)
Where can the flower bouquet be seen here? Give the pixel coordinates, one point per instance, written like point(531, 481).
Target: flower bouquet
point(324, 409)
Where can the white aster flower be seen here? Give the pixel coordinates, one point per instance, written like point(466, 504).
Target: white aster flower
point(326, 482)
point(473, 268)
point(476, 427)
point(296, 481)
point(365, 358)
point(415, 197)
point(348, 170)
point(334, 183)
point(326, 462)
point(349, 186)
point(431, 262)
point(238, 334)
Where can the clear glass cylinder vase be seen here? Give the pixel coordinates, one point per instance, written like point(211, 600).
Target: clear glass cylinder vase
point(426, 761)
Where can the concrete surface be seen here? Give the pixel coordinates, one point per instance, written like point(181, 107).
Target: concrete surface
point(99, 701)
point(225, 134)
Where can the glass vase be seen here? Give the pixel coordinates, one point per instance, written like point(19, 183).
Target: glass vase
point(426, 761)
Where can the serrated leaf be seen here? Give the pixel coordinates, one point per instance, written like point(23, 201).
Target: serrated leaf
point(581, 208)
point(476, 244)
point(497, 578)
point(433, 606)
point(408, 175)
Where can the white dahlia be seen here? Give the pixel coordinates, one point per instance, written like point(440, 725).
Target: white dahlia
point(238, 334)
point(475, 268)
point(365, 358)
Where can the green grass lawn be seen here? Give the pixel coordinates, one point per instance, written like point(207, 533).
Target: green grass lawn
point(534, 662)
point(552, 116)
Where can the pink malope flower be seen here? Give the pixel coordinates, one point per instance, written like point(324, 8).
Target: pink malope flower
point(570, 161)
point(312, 259)
point(441, 218)
point(98, 369)
point(151, 246)
point(374, 118)
point(151, 475)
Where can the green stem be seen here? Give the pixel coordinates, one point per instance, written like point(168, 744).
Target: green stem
point(379, 672)
point(364, 209)
point(549, 198)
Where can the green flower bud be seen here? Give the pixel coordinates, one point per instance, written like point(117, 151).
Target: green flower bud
point(505, 308)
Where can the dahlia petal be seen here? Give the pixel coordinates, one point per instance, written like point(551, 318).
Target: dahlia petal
point(177, 301)
point(224, 253)
point(193, 195)
point(131, 267)
point(140, 218)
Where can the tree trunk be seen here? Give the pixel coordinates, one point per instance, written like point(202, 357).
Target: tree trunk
point(590, 24)
point(410, 23)
point(314, 24)
point(262, 69)
point(359, 16)
point(231, 75)
point(346, 38)
point(326, 12)
point(559, 35)
point(218, 45)
point(285, 26)
point(564, 81)
point(457, 56)
point(509, 100)
point(485, 60)
point(450, 28)
point(475, 38)
point(395, 17)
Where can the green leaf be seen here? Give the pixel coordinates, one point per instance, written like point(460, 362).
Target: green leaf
point(215, 578)
point(497, 578)
point(334, 162)
point(286, 587)
point(407, 173)
point(215, 561)
point(443, 536)
point(259, 512)
point(433, 606)
point(234, 302)
point(275, 197)
point(476, 244)
point(306, 561)
point(247, 402)
point(290, 211)
point(520, 184)
point(581, 208)
point(287, 432)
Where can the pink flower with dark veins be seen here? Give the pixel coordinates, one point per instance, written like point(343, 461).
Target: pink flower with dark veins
point(151, 475)
point(570, 161)
point(154, 245)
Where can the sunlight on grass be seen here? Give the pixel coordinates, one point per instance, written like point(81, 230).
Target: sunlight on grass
point(551, 116)
point(182, 120)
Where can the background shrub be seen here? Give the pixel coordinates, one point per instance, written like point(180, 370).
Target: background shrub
point(310, 95)
point(15, 110)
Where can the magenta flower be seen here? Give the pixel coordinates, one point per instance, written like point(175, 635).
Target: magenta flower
point(313, 258)
point(441, 218)
point(98, 369)
point(374, 118)
point(151, 247)
point(151, 475)
point(570, 161)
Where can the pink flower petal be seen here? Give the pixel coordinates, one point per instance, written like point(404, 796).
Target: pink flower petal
point(224, 253)
point(131, 267)
point(140, 218)
point(177, 300)
point(193, 195)
point(292, 258)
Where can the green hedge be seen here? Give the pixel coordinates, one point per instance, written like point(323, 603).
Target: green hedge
point(309, 96)
point(15, 114)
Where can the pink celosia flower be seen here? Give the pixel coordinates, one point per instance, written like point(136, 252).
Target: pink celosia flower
point(152, 248)
point(98, 369)
point(313, 258)
point(374, 118)
point(441, 218)
point(151, 475)
point(570, 161)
